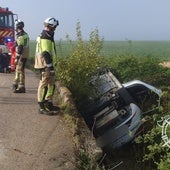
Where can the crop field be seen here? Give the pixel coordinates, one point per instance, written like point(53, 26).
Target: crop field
point(157, 49)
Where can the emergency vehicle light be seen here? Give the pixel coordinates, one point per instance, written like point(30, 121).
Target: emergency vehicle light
point(8, 39)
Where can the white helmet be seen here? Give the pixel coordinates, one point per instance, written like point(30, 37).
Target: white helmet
point(19, 24)
point(51, 22)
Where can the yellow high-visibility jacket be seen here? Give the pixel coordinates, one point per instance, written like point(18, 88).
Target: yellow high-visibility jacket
point(44, 45)
point(22, 44)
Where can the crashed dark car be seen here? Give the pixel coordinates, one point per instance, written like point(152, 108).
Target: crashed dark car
point(114, 115)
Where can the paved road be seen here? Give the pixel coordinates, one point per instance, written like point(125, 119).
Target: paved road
point(28, 140)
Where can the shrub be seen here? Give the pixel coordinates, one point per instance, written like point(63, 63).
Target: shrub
point(164, 163)
point(131, 67)
point(76, 69)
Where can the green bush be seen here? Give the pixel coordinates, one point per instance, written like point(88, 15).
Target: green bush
point(131, 67)
point(76, 69)
point(164, 163)
point(153, 150)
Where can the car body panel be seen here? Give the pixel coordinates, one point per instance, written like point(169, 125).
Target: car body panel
point(124, 132)
point(146, 96)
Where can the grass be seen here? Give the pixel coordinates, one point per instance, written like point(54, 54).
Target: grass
point(158, 49)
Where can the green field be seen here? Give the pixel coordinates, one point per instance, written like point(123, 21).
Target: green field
point(158, 49)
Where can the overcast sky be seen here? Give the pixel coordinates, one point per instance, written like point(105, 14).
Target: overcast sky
point(115, 19)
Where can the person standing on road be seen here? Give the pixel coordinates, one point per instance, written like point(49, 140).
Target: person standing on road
point(44, 57)
point(22, 53)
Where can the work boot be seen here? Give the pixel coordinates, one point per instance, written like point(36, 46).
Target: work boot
point(20, 90)
point(50, 107)
point(14, 87)
point(42, 110)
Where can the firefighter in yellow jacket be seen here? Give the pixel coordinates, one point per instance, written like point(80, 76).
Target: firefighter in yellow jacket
point(22, 53)
point(45, 54)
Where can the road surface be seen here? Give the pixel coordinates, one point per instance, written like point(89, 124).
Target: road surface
point(28, 140)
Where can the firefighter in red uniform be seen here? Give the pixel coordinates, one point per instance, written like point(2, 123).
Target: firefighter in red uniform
point(44, 61)
point(22, 53)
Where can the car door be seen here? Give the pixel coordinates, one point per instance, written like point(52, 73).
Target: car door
point(146, 96)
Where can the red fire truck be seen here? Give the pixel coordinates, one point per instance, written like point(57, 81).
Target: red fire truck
point(7, 38)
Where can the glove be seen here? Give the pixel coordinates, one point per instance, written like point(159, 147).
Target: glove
point(52, 72)
point(18, 56)
point(16, 59)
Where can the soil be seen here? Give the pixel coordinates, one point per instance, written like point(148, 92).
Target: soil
point(29, 140)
